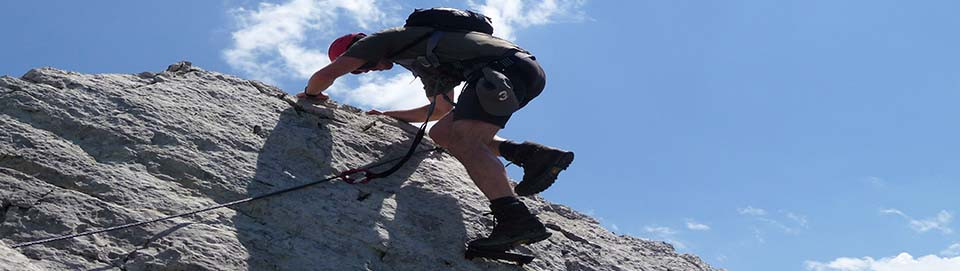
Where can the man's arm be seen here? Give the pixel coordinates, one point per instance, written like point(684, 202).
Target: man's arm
point(417, 114)
point(323, 78)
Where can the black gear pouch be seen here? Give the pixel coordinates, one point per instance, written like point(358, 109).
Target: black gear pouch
point(496, 93)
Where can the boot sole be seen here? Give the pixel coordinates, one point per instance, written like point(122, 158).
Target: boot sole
point(509, 246)
point(535, 239)
point(550, 175)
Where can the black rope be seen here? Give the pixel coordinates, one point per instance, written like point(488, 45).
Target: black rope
point(413, 147)
point(378, 164)
point(218, 206)
point(446, 97)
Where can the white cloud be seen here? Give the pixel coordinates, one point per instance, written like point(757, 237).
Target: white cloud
point(941, 222)
point(697, 226)
point(798, 223)
point(271, 42)
point(721, 258)
point(781, 226)
point(288, 41)
point(876, 182)
point(383, 92)
point(508, 16)
point(902, 262)
point(750, 210)
point(799, 219)
point(758, 234)
point(952, 251)
point(659, 230)
point(610, 225)
point(665, 233)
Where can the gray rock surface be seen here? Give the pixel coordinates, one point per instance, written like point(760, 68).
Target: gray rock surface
point(86, 151)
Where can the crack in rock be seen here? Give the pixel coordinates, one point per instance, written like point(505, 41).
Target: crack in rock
point(368, 126)
point(363, 195)
point(570, 235)
point(50, 176)
point(4, 208)
point(13, 88)
point(40, 200)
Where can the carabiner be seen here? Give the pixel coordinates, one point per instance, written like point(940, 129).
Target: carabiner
point(345, 176)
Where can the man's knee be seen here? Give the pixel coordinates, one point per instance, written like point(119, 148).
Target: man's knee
point(458, 145)
point(468, 135)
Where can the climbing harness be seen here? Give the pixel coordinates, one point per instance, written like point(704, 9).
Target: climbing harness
point(345, 176)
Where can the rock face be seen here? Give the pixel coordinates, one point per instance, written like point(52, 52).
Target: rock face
point(80, 152)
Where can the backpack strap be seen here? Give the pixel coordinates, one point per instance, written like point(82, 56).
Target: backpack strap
point(411, 44)
point(430, 60)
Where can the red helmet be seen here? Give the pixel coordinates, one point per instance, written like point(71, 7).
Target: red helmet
point(341, 44)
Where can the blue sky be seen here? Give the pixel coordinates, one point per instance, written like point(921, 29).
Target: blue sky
point(759, 135)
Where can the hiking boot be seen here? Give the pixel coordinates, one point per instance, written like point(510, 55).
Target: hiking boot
point(541, 165)
point(515, 225)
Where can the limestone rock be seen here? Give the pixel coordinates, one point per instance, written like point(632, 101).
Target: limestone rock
point(87, 151)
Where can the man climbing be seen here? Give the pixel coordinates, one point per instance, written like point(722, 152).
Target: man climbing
point(501, 77)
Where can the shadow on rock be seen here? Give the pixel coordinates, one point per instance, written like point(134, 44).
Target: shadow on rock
point(388, 224)
point(296, 151)
point(420, 229)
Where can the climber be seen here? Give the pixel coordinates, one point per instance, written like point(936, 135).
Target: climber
point(500, 79)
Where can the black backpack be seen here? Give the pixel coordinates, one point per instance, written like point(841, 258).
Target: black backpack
point(442, 20)
point(450, 19)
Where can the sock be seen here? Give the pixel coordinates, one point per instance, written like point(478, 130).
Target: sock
point(504, 201)
point(511, 213)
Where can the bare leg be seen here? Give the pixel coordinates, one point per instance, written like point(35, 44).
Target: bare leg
point(472, 142)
